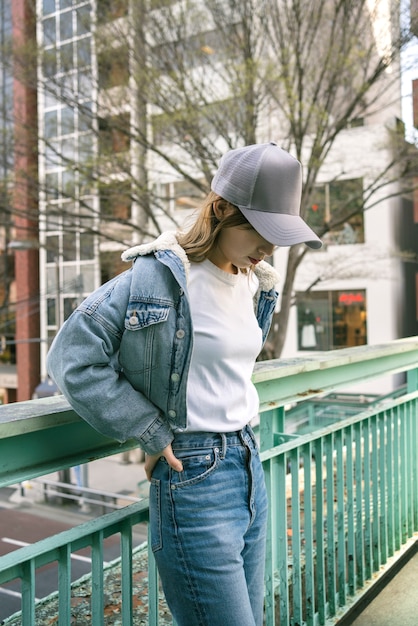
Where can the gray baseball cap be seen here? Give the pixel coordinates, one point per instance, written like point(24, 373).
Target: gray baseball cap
point(265, 183)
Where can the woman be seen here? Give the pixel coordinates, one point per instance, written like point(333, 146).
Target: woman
point(164, 353)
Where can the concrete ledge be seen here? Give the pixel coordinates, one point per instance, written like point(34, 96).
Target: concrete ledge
point(379, 583)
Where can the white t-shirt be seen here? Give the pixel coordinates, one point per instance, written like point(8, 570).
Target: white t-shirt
point(227, 340)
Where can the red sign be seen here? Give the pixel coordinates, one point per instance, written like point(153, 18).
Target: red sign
point(347, 298)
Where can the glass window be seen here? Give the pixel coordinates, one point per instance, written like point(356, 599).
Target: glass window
point(86, 246)
point(68, 149)
point(49, 30)
point(87, 213)
point(48, 6)
point(83, 20)
point(85, 87)
point(70, 305)
point(67, 60)
point(340, 205)
point(69, 247)
point(83, 52)
point(69, 274)
point(317, 213)
point(52, 248)
point(85, 115)
point(51, 280)
point(67, 121)
point(66, 25)
point(51, 311)
point(68, 212)
point(66, 84)
point(51, 124)
point(51, 95)
point(349, 318)
point(88, 274)
point(52, 154)
point(65, 4)
point(51, 184)
point(68, 183)
point(49, 62)
point(86, 181)
point(85, 148)
point(332, 319)
point(51, 336)
point(69, 217)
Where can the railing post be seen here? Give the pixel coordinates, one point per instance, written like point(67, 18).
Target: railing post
point(272, 425)
point(152, 585)
point(28, 593)
point(412, 380)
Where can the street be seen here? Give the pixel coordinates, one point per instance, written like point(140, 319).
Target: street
point(21, 527)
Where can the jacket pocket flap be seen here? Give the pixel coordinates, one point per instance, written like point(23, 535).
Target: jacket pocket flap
point(142, 314)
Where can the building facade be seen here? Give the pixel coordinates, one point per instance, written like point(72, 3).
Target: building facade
point(108, 174)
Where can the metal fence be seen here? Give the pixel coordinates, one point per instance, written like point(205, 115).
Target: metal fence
point(343, 499)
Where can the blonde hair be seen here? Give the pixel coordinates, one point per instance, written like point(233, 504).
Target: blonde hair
point(202, 236)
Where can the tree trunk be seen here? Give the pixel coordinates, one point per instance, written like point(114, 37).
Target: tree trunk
point(281, 318)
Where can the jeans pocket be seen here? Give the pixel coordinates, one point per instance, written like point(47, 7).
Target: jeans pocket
point(155, 515)
point(196, 467)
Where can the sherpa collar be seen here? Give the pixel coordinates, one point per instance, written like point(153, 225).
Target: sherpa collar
point(266, 274)
point(166, 241)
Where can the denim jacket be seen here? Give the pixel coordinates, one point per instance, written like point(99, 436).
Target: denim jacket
point(122, 358)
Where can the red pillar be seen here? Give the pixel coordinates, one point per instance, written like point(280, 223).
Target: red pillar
point(415, 101)
point(25, 198)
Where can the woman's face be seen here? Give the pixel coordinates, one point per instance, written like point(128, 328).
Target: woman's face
point(239, 247)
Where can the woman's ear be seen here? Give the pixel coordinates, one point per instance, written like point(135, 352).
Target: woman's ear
point(222, 209)
point(217, 208)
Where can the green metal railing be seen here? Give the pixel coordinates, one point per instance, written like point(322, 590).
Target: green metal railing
point(351, 503)
point(343, 499)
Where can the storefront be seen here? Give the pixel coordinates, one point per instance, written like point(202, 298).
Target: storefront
point(329, 320)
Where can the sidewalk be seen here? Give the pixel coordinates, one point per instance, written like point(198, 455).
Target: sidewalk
point(110, 475)
point(397, 603)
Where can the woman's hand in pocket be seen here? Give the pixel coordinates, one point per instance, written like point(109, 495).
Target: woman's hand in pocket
point(151, 461)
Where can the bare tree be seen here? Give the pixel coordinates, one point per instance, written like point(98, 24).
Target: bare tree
point(308, 69)
point(176, 84)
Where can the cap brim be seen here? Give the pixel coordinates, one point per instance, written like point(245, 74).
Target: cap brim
point(281, 229)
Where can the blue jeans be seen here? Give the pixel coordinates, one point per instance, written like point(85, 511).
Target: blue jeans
point(208, 529)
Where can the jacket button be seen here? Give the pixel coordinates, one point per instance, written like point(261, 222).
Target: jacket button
point(180, 334)
point(175, 377)
point(172, 413)
point(133, 321)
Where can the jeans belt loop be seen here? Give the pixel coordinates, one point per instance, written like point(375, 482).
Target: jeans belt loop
point(223, 452)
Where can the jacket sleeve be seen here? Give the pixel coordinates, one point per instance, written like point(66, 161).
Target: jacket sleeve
point(83, 362)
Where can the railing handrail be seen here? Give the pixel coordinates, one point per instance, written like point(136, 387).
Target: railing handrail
point(74, 442)
point(43, 413)
point(300, 375)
